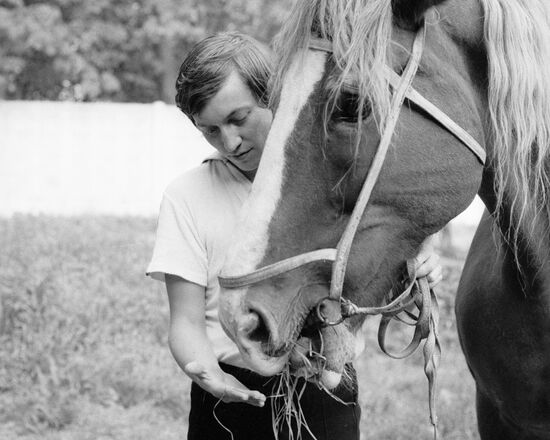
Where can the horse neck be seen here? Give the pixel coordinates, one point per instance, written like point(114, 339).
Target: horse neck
point(529, 254)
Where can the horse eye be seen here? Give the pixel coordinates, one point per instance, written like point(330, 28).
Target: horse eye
point(347, 108)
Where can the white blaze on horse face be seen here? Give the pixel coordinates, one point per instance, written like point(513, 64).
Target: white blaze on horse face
point(252, 235)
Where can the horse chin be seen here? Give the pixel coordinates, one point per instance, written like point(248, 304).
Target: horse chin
point(261, 363)
point(325, 378)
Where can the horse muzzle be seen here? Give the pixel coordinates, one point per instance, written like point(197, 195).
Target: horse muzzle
point(273, 336)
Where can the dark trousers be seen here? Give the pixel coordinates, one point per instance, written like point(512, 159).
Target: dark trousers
point(327, 418)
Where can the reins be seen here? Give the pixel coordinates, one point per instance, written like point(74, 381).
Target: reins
point(417, 291)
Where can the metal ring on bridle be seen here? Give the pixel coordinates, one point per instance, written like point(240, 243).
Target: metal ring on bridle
point(325, 322)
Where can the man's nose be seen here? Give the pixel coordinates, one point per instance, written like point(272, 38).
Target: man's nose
point(231, 139)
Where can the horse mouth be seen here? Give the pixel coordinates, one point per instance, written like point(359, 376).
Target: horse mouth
point(313, 356)
point(306, 353)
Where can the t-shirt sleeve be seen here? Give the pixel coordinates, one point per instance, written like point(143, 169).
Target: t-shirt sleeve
point(179, 249)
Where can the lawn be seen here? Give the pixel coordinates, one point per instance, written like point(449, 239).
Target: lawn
point(83, 343)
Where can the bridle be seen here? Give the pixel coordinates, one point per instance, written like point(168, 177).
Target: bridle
point(417, 291)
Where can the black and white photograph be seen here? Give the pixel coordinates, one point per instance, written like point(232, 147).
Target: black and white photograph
point(275, 220)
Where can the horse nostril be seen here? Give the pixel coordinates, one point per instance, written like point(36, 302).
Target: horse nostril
point(254, 327)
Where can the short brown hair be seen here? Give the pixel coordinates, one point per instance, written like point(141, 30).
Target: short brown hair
point(212, 60)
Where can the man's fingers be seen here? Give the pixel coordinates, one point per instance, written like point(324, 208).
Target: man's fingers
point(226, 387)
point(249, 395)
point(426, 251)
point(233, 394)
point(429, 265)
point(257, 398)
point(435, 277)
point(435, 282)
point(421, 258)
point(436, 273)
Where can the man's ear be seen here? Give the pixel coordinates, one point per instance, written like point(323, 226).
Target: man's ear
point(408, 13)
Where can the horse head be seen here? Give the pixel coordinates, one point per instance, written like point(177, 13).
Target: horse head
point(333, 96)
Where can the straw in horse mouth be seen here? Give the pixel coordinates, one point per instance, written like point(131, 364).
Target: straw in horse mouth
point(307, 360)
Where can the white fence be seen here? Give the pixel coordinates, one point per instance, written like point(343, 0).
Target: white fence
point(100, 158)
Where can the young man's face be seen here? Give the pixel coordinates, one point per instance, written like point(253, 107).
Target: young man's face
point(235, 124)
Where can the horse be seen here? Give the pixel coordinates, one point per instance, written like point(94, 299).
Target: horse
point(381, 110)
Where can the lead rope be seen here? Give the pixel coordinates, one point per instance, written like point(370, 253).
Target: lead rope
point(419, 293)
point(432, 348)
point(432, 355)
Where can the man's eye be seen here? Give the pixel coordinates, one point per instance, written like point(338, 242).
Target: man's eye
point(347, 108)
point(239, 120)
point(210, 131)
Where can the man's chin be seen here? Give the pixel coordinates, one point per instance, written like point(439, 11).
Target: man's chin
point(245, 167)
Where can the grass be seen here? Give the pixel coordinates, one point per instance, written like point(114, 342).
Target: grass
point(83, 343)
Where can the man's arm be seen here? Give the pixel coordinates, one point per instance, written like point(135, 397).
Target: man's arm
point(191, 348)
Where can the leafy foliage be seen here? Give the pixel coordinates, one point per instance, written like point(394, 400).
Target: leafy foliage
point(127, 50)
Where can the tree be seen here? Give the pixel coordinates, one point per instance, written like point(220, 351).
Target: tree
point(127, 50)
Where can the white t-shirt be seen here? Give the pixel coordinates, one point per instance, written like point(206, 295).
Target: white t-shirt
point(197, 215)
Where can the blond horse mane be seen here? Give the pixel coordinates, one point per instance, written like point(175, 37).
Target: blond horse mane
point(517, 39)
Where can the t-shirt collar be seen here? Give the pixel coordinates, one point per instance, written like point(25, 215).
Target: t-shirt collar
point(215, 156)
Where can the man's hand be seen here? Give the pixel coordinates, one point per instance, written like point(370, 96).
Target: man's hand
point(427, 264)
point(223, 385)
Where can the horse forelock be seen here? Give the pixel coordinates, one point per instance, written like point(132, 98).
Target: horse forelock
point(517, 39)
point(360, 32)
